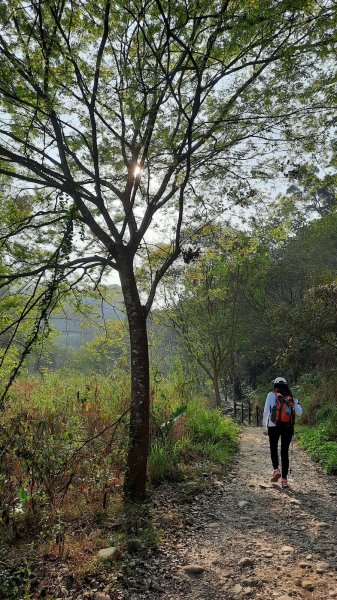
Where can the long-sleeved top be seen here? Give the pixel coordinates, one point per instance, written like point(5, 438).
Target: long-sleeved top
point(270, 402)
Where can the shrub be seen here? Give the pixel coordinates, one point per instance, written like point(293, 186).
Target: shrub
point(205, 434)
point(209, 434)
point(316, 440)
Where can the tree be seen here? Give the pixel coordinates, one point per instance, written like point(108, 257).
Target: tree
point(204, 309)
point(113, 115)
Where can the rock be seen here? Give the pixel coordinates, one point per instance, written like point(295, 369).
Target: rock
point(333, 594)
point(212, 525)
point(294, 501)
point(304, 564)
point(287, 549)
point(237, 589)
point(263, 486)
point(248, 582)
point(193, 570)
point(247, 591)
point(309, 585)
point(112, 553)
point(100, 596)
point(245, 562)
point(242, 504)
point(323, 525)
point(321, 567)
point(156, 587)
point(284, 597)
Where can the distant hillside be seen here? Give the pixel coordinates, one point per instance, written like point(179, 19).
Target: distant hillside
point(76, 326)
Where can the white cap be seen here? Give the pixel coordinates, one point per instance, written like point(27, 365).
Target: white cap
point(280, 380)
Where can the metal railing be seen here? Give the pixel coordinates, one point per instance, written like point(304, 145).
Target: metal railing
point(243, 413)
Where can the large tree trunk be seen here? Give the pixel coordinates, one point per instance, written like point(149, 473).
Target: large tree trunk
point(135, 476)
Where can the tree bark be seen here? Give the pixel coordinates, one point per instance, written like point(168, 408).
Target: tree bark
point(135, 476)
point(216, 387)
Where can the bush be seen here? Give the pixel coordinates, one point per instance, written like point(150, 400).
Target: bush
point(58, 447)
point(317, 442)
point(204, 434)
point(209, 434)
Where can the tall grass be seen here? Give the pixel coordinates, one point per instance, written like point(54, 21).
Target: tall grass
point(63, 440)
point(200, 434)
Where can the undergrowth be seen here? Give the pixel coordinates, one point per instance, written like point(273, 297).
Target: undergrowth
point(318, 434)
point(317, 442)
point(200, 434)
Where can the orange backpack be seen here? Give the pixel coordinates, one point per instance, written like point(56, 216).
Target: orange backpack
point(283, 411)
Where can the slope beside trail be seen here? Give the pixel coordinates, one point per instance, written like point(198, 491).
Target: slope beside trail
point(243, 537)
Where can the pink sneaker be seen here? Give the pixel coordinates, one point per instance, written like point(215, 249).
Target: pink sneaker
point(284, 483)
point(276, 474)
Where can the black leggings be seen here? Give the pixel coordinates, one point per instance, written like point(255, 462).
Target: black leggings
point(286, 432)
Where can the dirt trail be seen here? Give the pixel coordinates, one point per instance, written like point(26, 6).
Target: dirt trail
point(249, 538)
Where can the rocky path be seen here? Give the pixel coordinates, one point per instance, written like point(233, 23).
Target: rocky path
point(243, 537)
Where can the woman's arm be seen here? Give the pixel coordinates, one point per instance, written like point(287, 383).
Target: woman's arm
point(298, 408)
point(270, 401)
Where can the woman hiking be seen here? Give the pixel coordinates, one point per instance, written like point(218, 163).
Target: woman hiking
point(279, 418)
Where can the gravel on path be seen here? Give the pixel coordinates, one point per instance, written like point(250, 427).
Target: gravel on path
point(243, 537)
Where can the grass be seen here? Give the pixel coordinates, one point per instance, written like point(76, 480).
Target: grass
point(53, 484)
point(318, 434)
point(204, 434)
point(316, 441)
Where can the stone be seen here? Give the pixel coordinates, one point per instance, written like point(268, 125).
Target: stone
point(323, 525)
point(237, 589)
point(249, 582)
point(155, 586)
point(304, 564)
point(100, 596)
point(263, 486)
point(193, 570)
point(212, 525)
point(284, 597)
point(242, 504)
point(294, 501)
point(309, 585)
point(245, 562)
point(333, 594)
point(321, 567)
point(287, 549)
point(247, 591)
point(112, 553)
